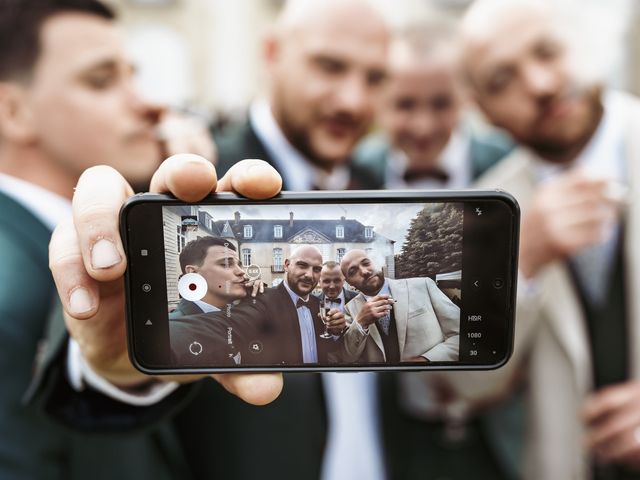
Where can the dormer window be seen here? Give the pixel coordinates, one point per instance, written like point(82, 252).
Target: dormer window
point(368, 232)
point(248, 231)
point(277, 231)
point(339, 231)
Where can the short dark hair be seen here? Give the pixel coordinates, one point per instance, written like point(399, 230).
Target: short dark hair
point(195, 251)
point(20, 25)
point(330, 264)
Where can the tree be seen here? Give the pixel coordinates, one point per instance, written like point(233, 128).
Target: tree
point(434, 242)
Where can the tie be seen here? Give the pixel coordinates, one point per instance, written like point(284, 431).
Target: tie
point(301, 303)
point(593, 267)
point(334, 300)
point(385, 323)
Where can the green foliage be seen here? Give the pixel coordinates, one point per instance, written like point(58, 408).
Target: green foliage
point(433, 244)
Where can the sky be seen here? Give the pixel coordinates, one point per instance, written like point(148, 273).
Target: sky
point(388, 219)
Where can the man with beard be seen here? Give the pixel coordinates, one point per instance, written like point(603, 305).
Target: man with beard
point(578, 310)
point(397, 320)
point(324, 72)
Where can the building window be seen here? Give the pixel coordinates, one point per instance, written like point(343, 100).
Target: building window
point(278, 258)
point(368, 232)
point(248, 231)
point(339, 231)
point(181, 239)
point(246, 257)
point(340, 253)
point(277, 231)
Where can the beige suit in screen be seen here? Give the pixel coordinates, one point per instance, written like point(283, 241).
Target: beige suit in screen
point(428, 324)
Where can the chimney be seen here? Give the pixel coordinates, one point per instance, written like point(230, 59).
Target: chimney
point(342, 219)
point(237, 215)
point(291, 219)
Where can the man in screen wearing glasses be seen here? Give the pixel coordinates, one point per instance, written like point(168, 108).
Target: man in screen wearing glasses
point(397, 320)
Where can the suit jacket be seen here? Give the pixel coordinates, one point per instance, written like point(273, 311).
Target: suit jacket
point(185, 307)
point(266, 331)
point(31, 444)
point(551, 342)
point(238, 142)
point(428, 324)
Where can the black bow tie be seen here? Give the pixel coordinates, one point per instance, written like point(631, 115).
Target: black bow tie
point(438, 174)
point(333, 300)
point(301, 303)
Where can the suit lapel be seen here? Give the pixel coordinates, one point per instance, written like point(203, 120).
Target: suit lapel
point(400, 293)
point(632, 240)
point(359, 302)
point(565, 316)
point(287, 313)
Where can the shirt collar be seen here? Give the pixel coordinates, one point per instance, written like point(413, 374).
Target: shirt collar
point(454, 160)
point(206, 307)
point(50, 208)
point(294, 296)
point(604, 153)
point(298, 172)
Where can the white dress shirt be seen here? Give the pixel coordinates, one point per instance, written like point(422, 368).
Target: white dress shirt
point(307, 330)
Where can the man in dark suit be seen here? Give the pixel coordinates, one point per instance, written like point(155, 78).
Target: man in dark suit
point(281, 326)
point(332, 283)
point(66, 103)
point(324, 76)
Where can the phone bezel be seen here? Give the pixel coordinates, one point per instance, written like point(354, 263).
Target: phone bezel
point(362, 196)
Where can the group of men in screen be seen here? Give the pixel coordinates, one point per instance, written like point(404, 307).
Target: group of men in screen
point(385, 321)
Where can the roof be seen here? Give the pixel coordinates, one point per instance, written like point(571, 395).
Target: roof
point(323, 230)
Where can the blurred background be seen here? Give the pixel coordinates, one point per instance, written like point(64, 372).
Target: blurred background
point(205, 54)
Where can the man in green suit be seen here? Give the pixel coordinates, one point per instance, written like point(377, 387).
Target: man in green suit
point(66, 103)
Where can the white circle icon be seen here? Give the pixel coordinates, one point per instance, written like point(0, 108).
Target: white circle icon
point(192, 287)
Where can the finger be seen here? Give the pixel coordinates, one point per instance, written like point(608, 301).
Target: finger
point(613, 425)
point(256, 389)
point(261, 287)
point(255, 288)
point(96, 205)
point(608, 400)
point(251, 178)
point(187, 176)
point(76, 289)
point(624, 445)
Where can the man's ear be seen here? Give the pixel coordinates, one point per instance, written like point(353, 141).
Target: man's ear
point(271, 50)
point(16, 117)
point(286, 264)
point(190, 269)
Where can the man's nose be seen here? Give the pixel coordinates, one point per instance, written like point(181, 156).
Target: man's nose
point(353, 95)
point(150, 110)
point(540, 79)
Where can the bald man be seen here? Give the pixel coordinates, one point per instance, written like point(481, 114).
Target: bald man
point(324, 73)
point(282, 326)
point(576, 327)
point(397, 320)
point(425, 139)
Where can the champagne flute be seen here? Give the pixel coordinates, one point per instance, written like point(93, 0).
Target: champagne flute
point(324, 316)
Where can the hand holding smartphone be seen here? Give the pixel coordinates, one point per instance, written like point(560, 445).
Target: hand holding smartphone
point(428, 281)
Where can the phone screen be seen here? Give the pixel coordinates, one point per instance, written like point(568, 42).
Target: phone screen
point(330, 283)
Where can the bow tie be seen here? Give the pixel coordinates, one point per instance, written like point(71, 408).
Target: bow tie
point(302, 303)
point(415, 174)
point(334, 300)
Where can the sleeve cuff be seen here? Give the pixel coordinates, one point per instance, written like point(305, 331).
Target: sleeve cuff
point(81, 375)
point(363, 330)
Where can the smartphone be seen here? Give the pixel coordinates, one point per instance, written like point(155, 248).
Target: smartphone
point(321, 281)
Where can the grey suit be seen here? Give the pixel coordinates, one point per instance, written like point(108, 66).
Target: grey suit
point(428, 324)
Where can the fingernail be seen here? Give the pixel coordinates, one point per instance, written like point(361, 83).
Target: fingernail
point(79, 301)
point(104, 254)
